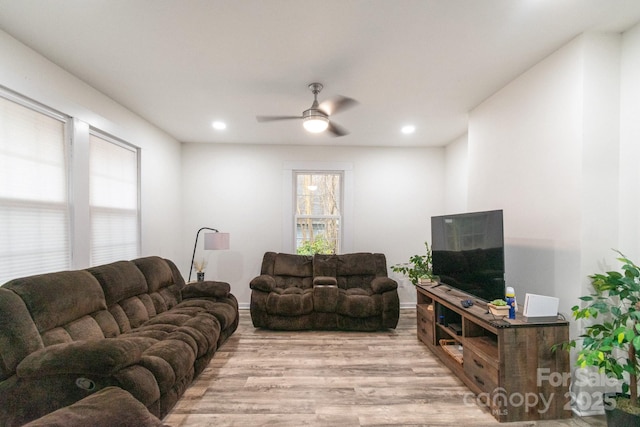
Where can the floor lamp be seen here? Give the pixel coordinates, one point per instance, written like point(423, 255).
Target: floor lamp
point(212, 241)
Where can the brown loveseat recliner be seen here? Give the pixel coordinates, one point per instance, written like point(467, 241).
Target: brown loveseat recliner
point(346, 292)
point(129, 324)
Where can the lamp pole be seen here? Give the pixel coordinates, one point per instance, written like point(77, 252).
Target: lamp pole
point(195, 245)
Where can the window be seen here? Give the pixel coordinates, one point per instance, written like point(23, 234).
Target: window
point(34, 208)
point(69, 195)
point(318, 214)
point(113, 199)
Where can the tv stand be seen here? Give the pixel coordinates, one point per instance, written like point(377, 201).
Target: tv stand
point(507, 366)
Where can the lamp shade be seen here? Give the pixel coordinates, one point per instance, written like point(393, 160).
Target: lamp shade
point(216, 241)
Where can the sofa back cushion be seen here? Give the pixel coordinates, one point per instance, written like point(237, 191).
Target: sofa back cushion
point(125, 290)
point(65, 306)
point(289, 270)
point(357, 270)
point(325, 265)
point(164, 281)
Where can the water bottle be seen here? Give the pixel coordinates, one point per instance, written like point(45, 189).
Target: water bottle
point(511, 302)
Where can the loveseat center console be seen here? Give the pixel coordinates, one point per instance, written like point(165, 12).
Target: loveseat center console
point(508, 365)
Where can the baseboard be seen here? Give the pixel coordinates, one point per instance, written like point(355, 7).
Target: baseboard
point(403, 306)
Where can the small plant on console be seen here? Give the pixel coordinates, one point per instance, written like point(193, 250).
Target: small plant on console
point(418, 267)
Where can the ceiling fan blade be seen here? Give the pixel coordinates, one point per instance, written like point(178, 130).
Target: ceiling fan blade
point(336, 130)
point(337, 104)
point(275, 118)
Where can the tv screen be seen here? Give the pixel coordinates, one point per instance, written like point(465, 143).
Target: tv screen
point(468, 253)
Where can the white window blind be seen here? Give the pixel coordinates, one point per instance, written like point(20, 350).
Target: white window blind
point(113, 199)
point(34, 213)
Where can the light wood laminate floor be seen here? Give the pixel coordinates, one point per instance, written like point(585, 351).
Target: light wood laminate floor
point(316, 378)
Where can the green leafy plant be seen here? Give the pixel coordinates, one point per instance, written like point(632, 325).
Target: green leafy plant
point(320, 245)
point(418, 267)
point(612, 344)
point(498, 302)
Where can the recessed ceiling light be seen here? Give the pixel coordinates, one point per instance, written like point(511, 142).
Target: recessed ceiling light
point(218, 125)
point(408, 129)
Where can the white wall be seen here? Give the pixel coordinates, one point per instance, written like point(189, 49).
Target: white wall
point(534, 151)
point(629, 229)
point(239, 189)
point(456, 175)
point(557, 149)
point(30, 74)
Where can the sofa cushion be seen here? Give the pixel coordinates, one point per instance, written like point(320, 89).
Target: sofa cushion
point(98, 357)
point(170, 361)
point(119, 280)
point(164, 281)
point(290, 302)
point(293, 265)
point(225, 313)
point(84, 328)
point(210, 289)
point(357, 264)
point(285, 282)
point(325, 265)
point(359, 303)
point(156, 271)
point(55, 299)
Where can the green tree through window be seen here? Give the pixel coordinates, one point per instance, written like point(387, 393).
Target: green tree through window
point(318, 212)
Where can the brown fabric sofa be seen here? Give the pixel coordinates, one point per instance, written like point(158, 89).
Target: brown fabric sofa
point(130, 324)
point(97, 410)
point(345, 292)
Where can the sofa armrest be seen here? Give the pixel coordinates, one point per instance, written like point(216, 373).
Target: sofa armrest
point(325, 281)
point(383, 284)
point(208, 288)
point(264, 283)
point(99, 357)
point(111, 406)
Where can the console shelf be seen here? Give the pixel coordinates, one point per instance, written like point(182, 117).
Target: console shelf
point(507, 368)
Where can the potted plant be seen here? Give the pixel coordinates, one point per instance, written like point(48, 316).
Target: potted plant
point(419, 268)
point(612, 343)
point(499, 308)
point(199, 266)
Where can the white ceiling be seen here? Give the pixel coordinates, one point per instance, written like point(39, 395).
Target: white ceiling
point(181, 64)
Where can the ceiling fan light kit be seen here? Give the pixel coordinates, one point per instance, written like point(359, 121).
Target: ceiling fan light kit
point(316, 118)
point(314, 121)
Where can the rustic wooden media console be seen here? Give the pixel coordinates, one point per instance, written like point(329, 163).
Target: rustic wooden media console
point(512, 370)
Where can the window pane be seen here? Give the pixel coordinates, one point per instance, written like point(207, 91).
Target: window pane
point(113, 195)
point(114, 235)
point(34, 214)
point(318, 212)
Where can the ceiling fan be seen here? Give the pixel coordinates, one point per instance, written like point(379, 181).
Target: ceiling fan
point(316, 118)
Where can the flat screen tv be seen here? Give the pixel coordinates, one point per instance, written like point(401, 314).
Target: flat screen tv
point(468, 253)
